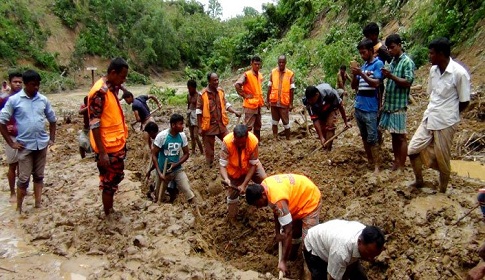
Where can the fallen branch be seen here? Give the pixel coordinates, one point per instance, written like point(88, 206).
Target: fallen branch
point(9, 270)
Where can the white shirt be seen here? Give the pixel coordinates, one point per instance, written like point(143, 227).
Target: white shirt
point(335, 242)
point(446, 91)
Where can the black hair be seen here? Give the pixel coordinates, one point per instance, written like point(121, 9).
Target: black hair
point(366, 44)
point(256, 58)
point(85, 100)
point(117, 65)
point(192, 83)
point(343, 67)
point(14, 75)
point(31, 75)
point(151, 127)
point(371, 29)
point(310, 92)
point(253, 193)
point(240, 130)
point(209, 76)
point(393, 39)
point(373, 234)
point(126, 94)
point(282, 57)
point(175, 118)
point(441, 45)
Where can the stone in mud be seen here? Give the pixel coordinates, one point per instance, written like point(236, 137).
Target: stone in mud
point(140, 241)
point(131, 250)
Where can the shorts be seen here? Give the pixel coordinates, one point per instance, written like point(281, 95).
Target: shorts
point(11, 154)
point(280, 113)
point(311, 220)
point(330, 122)
point(31, 162)
point(84, 140)
point(367, 123)
point(252, 118)
point(144, 123)
point(394, 122)
point(258, 177)
point(192, 118)
point(111, 176)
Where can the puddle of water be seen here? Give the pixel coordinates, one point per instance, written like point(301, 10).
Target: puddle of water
point(470, 169)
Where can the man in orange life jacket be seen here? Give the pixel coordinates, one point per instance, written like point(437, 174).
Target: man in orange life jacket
point(281, 87)
point(296, 203)
point(249, 88)
point(212, 116)
point(108, 130)
point(239, 164)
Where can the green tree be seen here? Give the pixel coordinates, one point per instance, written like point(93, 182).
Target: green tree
point(214, 9)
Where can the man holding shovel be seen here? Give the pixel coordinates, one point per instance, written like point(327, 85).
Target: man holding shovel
point(296, 204)
point(322, 103)
point(140, 107)
point(239, 164)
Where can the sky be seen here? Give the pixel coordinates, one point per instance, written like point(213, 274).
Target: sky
point(232, 8)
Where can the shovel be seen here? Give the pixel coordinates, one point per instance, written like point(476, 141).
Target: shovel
point(151, 113)
point(281, 274)
point(330, 139)
point(162, 187)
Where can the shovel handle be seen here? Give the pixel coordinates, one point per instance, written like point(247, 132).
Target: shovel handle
point(163, 173)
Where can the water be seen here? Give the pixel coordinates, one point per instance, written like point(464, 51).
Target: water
point(470, 169)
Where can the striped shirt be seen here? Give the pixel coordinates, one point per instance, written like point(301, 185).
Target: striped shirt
point(397, 97)
point(366, 99)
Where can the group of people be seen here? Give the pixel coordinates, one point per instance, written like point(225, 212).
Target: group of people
point(330, 249)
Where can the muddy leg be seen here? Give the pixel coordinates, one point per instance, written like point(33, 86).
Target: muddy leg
point(11, 181)
point(417, 169)
point(376, 150)
point(21, 193)
point(368, 152)
point(107, 197)
point(275, 131)
point(38, 194)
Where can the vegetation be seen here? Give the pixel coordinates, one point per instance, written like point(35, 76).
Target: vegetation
point(316, 35)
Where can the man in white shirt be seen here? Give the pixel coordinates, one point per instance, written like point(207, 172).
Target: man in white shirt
point(449, 94)
point(333, 249)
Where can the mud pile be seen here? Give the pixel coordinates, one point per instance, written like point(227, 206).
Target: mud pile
point(143, 240)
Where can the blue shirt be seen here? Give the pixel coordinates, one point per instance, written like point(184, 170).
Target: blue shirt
point(140, 105)
point(369, 103)
point(30, 115)
point(170, 147)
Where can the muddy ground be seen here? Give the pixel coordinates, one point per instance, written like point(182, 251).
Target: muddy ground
point(423, 241)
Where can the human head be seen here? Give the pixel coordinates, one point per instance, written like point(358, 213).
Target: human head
point(240, 136)
point(311, 94)
point(370, 243)
point(213, 80)
point(371, 31)
point(177, 123)
point(85, 100)
point(15, 80)
point(117, 71)
point(256, 63)
point(439, 50)
point(343, 68)
point(31, 80)
point(366, 49)
point(282, 62)
point(393, 44)
point(192, 86)
point(152, 129)
point(256, 196)
point(127, 96)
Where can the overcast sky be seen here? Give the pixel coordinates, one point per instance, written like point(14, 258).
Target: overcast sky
point(232, 8)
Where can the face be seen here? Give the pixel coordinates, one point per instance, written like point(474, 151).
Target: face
point(16, 84)
point(281, 63)
point(117, 79)
point(214, 81)
point(256, 65)
point(394, 49)
point(152, 134)
point(129, 100)
point(191, 89)
point(368, 252)
point(434, 57)
point(372, 37)
point(32, 87)
point(240, 142)
point(366, 54)
point(262, 202)
point(312, 100)
point(178, 126)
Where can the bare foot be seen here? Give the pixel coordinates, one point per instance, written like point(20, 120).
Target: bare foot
point(417, 184)
point(21, 193)
point(13, 198)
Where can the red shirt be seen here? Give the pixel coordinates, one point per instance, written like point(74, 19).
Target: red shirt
point(11, 125)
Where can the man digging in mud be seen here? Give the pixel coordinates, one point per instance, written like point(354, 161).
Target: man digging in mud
point(449, 94)
point(333, 250)
point(15, 80)
point(30, 110)
point(168, 146)
point(322, 103)
point(108, 130)
point(239, 164)
point(140, 107)
point(296, 203)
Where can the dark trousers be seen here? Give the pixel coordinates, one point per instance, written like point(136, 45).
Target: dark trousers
point(318, 268)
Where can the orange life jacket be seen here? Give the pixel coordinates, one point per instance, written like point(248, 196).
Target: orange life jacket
point(300, 193)
point(206, 114)
point(252, 86)
point(280, 89)
point(112, 127)
point(238, 164)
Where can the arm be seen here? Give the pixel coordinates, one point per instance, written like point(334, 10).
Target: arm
point(462, 106)
point(199, 107)
point(223, 162)
point(355, 80)
point(344, 116)
point(372, 82)
point(154, 98)
point(239, 87)
point(401, 82)
point(155, 151)
point(5, 115)
point(83, 110)
point(137, 116)
point(6, 136)
point(268, 93)
point(52, 133)
point(284, 219)
point(292, 91)
point(96, 104)
point(183, 158)
point(476, 273)
point(317, 125)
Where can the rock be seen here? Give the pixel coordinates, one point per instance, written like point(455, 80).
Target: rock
point(131, 250)
point(140, 241)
